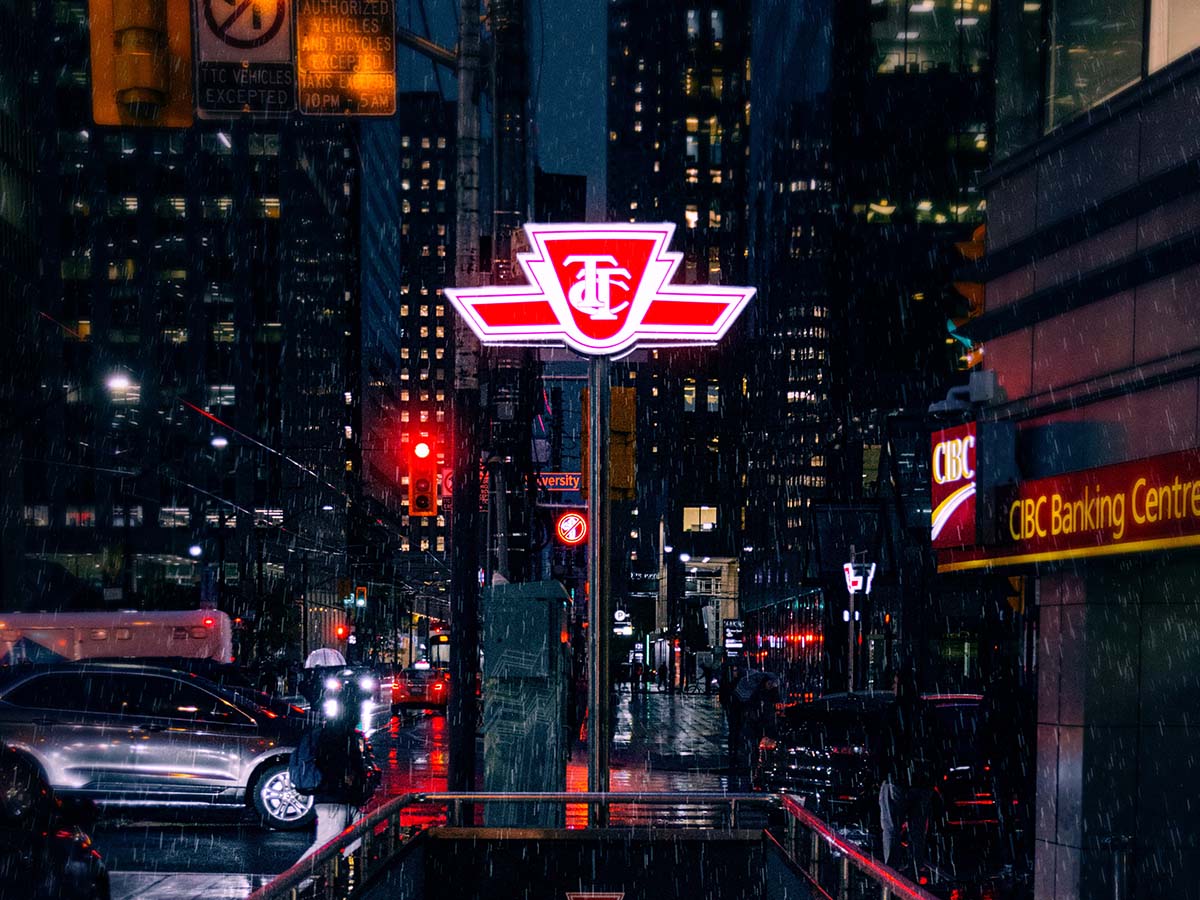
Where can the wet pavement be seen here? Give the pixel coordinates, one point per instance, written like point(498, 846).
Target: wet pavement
point(662, 742)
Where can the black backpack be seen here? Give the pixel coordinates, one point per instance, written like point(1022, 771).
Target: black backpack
point(302, 767)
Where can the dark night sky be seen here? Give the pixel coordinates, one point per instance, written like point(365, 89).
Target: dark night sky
point(567, 81)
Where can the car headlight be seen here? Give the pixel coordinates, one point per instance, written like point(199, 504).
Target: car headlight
point(332, 684)
point(366, 683)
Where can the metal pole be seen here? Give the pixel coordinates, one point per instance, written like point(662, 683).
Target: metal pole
point(850, 632)
point(304, 607)
point(462, 715)
point(598, 623)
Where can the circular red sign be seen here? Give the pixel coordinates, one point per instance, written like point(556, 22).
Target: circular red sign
point(572, 528)
point(246, 16)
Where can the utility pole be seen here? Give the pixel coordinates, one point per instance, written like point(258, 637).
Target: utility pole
point(464, 516)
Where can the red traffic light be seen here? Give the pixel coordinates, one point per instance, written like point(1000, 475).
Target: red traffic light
point(422, 480)
point(341, 632)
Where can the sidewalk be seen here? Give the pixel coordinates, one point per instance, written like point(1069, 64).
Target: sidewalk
point(183, 885)
point(669, 732)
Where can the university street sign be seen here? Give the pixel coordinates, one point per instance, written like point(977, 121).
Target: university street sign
point(602, 290)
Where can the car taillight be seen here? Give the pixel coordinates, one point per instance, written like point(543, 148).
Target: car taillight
point(438, 686)
point(767, 744)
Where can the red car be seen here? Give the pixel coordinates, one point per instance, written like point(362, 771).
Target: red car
point(420, 686)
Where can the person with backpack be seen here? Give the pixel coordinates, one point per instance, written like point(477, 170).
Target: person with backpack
point(333, 762)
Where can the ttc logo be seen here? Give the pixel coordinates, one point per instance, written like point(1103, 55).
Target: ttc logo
point(602, 290)
point(592, 292)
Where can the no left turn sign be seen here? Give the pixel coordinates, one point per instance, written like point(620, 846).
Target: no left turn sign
point(245, 24)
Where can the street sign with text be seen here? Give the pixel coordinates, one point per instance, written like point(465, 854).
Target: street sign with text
point(346, 57)
point(602, 290)
point(244, 61)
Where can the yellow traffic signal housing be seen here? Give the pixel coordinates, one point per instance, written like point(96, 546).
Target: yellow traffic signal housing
point(141, 62)
point(622, 444)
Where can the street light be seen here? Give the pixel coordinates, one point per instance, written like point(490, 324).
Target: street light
point(118, 381)
point(220, 442)
point(195, 551)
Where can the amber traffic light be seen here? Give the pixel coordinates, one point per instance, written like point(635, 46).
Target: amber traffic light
point(422, 479)
point(141, 62)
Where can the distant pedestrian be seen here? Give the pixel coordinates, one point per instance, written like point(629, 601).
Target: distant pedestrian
point(706, 673)
point(731, 673)
point(910, 770)
point(637, 683)
point(758, 695)
point(662, 676)
point(342, 756)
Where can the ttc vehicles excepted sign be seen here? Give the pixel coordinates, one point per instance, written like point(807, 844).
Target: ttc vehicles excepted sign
point(244, 63)
point(602, 290)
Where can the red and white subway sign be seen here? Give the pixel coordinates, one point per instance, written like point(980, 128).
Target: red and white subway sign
point(602, 290)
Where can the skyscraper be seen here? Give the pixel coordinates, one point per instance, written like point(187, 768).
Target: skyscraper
point(678, 115)
point(407, 229)
point(197, 438)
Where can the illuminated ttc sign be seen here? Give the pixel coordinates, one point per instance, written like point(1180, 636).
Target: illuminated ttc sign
point(601, 290)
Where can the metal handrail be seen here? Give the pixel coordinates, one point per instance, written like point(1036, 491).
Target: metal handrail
point(325, 865)
point(892, 884)
point(331, 874)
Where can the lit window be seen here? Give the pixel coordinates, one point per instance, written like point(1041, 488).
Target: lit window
point(689, 395)
point(691, 215)
point(699, 518)
point(80, 517)
point(713, 398)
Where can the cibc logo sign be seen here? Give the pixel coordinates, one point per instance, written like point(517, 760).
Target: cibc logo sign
point(953, 489)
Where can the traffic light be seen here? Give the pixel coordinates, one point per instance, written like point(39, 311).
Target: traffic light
point(342, 632)
point(972, 292)
point(422, 479)
point(141, 62)
point(360, 596)
point(622, 444)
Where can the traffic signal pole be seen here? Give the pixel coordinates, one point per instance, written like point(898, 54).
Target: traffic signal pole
point(465, 452)
point(599, 582)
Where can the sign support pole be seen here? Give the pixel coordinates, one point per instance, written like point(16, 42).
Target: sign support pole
point(598, 582)
point(851, 648)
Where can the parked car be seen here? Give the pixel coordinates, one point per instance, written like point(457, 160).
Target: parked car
point(234, 679)
point(828, 752)
point(130, 734)
point(421, 686)
point(45, 851)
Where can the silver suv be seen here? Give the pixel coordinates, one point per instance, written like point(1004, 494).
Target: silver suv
point(127, 734)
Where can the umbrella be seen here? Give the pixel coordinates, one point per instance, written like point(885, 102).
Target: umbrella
point(324, 656)
point(752, 682)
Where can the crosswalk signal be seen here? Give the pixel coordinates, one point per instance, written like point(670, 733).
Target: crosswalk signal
point(422, 480)
point(141, 54)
